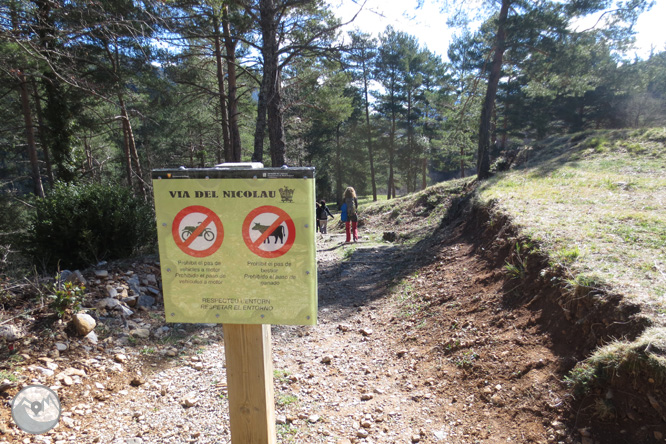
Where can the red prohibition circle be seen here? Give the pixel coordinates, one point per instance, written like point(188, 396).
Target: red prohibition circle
point(185, 238)
point(282, 217)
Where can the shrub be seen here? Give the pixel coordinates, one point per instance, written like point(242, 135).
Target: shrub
point(66, 297)
point(598, 144)
point(79, 225)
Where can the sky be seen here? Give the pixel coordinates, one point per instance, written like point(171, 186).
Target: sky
point(428, 23)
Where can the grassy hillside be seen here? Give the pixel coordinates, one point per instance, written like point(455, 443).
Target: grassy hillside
point(596, 203)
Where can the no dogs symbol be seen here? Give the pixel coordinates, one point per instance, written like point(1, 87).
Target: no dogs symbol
point(269, 232)
point(197, 231)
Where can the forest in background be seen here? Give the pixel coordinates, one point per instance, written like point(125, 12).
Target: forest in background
point(102, 92)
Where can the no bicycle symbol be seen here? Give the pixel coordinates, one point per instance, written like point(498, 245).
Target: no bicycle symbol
point(197, 231)
point(269, 232)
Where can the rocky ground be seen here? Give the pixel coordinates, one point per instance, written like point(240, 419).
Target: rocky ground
point(421, 342)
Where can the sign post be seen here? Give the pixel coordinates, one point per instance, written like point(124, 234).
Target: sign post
point(237, 248)
point(250, 383)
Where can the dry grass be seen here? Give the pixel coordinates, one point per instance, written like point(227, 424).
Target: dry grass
point(641, 360)
point(596, 202)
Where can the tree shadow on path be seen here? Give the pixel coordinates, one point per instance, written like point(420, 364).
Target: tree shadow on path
point(367, 272)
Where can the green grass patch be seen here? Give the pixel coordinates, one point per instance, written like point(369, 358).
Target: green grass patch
point(516, 266)
point(466, 359)
point(409, 301)
point(281, 376)
point(348, 252)
point(285, 399)
point(591, 202)
point(567, 255)
point(598, 144)
point(4, 374)
point(286, 432)
point(365, 200)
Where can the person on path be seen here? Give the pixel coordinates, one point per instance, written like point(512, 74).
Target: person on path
point(322, 216)
point(351, 210)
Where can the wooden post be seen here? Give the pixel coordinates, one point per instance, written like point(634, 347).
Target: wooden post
point(250, 383)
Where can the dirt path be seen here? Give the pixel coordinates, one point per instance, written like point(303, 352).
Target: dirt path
point(416, 343)
point(366, 373)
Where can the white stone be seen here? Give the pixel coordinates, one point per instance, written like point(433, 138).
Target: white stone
point(84, 323)
point(142, 333)
point(9, 333)
point(313, 418)
point(42, 370)
point(92, 338)
point(108, 303)
point(190, 400)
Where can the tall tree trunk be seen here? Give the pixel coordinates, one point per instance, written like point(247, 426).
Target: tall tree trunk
point(338, 165)
point(191, 155)
point(131, 146)
point(232, 100)
point(89, 158)
point(127, 156)
point(260, 127)
point(493, 128)
point(580, 116)
point(58, 107)
point(219, 149)
point(462, 160)
point(505, 122)
point(202, 154)
point(369, 134)
point(131, 153)
point(276, 125)
point(424, 162)
point(269, 24)
point(483, 161)
point(424, 173)
point(390, 189)
point(42, 135)
point(411, 179)
point(32, 149)
point(228, 148)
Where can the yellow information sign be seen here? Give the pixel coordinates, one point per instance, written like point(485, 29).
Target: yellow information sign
point(237, 246)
